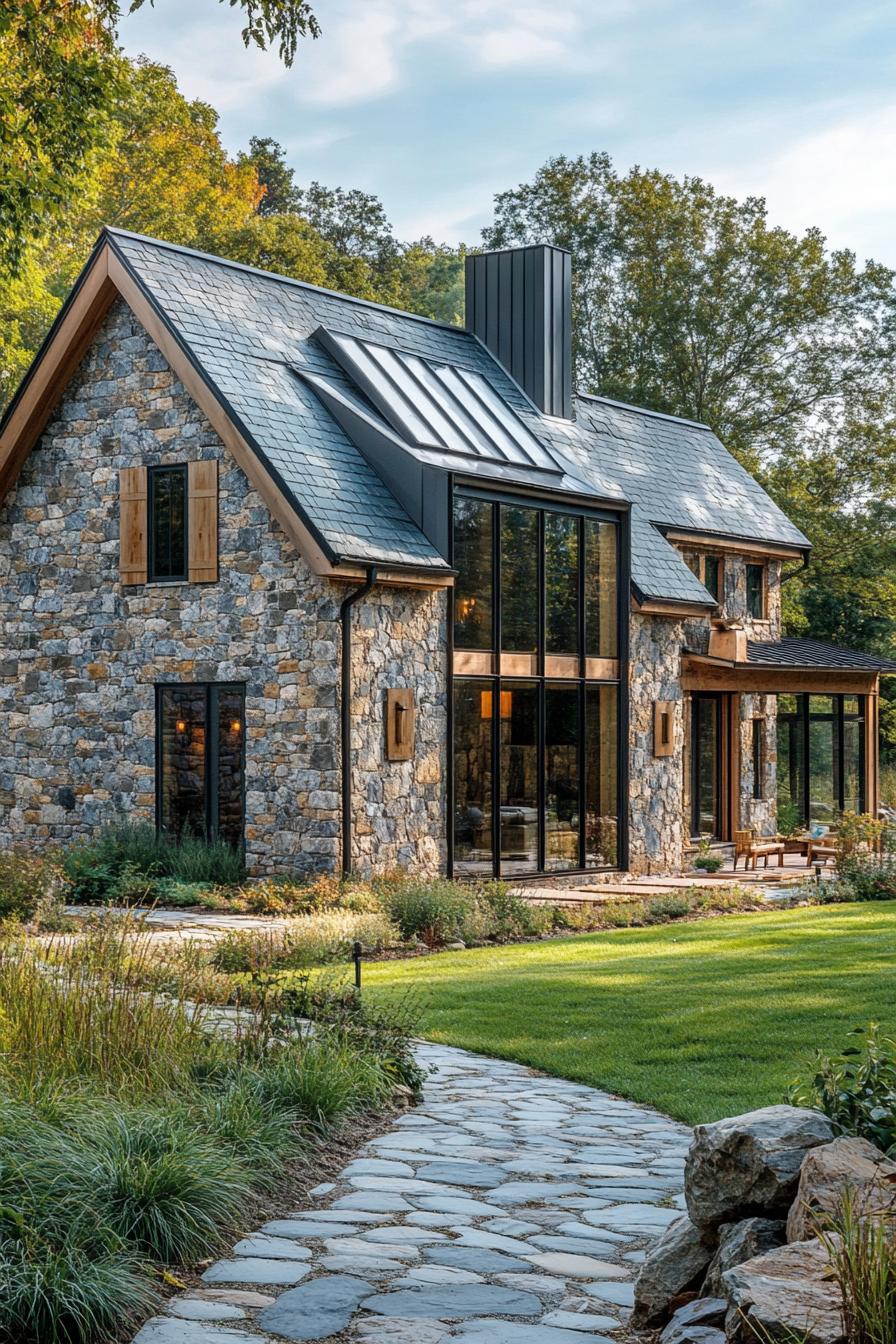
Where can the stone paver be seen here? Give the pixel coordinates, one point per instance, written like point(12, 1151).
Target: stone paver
point(508, 1208)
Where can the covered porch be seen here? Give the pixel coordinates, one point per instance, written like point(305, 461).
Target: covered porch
point(780, 736)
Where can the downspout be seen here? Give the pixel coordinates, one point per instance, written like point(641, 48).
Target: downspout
point(345, 616)
point(792, 573)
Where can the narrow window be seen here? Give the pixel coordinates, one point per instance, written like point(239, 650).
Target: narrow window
point(519, 580)
point(712, 580)
point(758, 756)
point(756, 592)
point(600, 590)
point(473, 587)
point(167, 523)
point(561, 581)
point(200, 735)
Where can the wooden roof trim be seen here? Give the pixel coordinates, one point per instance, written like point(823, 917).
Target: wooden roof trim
point(736, 546)
point(653, 606)
point(54, 366)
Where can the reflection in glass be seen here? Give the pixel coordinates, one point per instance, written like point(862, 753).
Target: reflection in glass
point(852, 765)
point(473, 586)
point(473, 711)
point(561, 579)
point(823, 761)
point(230, 766)
point(600, 589)
point(519, 777)
point(712, 576)
point(168, 512)
point(519, 580)
point(561, 767)
point(705, 710)
point(601, 779)
point(756, 592)
point(183, 748)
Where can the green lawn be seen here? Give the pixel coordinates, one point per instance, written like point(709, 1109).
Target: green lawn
point(702, 1020)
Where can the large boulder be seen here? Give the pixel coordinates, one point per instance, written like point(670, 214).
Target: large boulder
point(750, 1164)
point(739, 1242)
point(675, 1264)
point(828, 1171)
point(789, 1293)
point(697, 1322)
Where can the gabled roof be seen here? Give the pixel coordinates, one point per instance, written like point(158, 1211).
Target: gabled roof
point(248, 345)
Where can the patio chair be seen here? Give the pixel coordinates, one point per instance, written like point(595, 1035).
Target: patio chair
point(754, 847)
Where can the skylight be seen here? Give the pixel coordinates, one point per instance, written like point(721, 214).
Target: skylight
point(439, 406)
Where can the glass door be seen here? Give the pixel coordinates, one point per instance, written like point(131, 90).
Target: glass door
point(706, 766)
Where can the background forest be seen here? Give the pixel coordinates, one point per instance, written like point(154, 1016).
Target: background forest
point(685, 301)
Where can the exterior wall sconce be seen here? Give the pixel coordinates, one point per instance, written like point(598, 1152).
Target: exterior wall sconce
point(664, 728)
point(400, 724)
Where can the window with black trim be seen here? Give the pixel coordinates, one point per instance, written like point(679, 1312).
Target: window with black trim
point(168, 548)
point(758, 752)
point(200, 760)
point(713, 569)
point(756, 592)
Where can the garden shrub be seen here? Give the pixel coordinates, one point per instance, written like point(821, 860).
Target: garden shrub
point(431, 912)
point(29, 883)
point(855, 1089)
point(306, 940)
point(868, 877)
point(660, 909)
point(125, 854)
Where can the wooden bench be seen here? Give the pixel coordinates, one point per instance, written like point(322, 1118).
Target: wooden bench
point(753, 847)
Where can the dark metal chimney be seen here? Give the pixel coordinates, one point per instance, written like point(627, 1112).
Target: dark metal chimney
point(518, 302)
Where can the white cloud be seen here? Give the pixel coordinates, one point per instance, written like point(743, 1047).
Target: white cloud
point(838, 177)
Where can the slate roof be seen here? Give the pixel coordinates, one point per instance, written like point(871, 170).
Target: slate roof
point(809, 653)
point(248, 329)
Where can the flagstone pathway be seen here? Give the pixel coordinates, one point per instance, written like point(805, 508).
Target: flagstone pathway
point(508, 1208)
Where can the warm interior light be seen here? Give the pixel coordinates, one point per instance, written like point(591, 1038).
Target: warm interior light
point(485, 707)
point(235, 726)
point(464, 606)
point(181, 726)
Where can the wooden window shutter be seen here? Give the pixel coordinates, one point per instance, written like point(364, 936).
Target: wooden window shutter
point(202, 512)
point(132, 500)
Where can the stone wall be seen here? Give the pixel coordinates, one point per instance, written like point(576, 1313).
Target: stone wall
point(656, 829)
point(82, 655)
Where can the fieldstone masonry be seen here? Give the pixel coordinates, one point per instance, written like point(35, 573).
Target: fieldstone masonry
point(82, 654)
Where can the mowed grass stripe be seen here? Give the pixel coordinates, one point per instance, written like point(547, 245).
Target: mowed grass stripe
point(701, 1020)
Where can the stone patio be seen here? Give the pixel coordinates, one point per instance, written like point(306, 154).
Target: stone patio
point(508, 1208)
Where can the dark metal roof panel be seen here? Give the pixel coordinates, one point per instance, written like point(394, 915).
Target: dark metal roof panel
point(248, 329)
point(815, 653)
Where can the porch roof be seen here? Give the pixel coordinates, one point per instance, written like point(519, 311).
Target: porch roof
point(815, 653)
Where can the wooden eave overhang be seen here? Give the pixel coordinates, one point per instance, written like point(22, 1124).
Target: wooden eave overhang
point(106, 277)
point(718, 541)
point(700, 672)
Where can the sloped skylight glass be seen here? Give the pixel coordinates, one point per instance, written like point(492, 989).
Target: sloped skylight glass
point(439, 406)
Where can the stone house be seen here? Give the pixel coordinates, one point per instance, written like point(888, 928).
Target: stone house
point(351, 588)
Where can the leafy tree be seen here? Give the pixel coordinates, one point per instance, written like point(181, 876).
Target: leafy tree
point(689, 302)
point(57, 85)
point(354, 223)
point(268, 158)
point(432, 280)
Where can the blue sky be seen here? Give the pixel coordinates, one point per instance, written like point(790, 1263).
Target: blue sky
point(435, 106)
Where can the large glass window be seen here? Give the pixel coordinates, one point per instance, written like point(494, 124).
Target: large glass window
point(601, 597)
point(821, 757)
point(474, 711)
point(562, 820)
point(601, 777)
point(167, 523)
point(474, 585)
point(536, 749)
point(706, 765)
point(561, 583)
point(519, 580)
point(200, 734)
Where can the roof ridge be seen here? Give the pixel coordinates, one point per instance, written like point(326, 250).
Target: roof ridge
point(113, 231)
point(644, 410)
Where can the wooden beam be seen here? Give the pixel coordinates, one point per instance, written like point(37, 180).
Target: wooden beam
point(706, 541)
point(699, 675)
point(654, 607)
point(872, 749)
point(54, 367)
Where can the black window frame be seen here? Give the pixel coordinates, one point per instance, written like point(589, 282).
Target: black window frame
point(212, 691)
point(798, 726)
point(153, 474)
point(495, 680)
point(715, 698)
point(719, 561)
point(762, 613)
point(757, 751)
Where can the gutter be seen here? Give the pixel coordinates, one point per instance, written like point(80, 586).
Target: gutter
point(345, 617)
point(787, 575)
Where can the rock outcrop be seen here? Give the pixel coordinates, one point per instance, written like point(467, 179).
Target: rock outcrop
point(739, 1242)
point(674, 1265)
point(788, 1293)
point(828, 1172)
